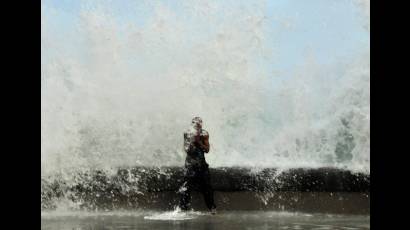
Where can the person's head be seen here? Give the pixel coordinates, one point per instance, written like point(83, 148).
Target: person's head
point(197, 122)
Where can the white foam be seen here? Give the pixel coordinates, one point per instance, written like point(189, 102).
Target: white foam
point(114, 95)
point(176, 214)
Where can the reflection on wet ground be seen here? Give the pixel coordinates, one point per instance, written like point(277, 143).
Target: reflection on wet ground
point(224, 220)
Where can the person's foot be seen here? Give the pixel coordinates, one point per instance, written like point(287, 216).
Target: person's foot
point(213, 211)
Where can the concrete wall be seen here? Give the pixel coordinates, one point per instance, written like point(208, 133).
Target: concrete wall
point(143, 187)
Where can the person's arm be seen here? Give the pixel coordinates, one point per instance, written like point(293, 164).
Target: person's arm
point(205, 146)
point(187, 143)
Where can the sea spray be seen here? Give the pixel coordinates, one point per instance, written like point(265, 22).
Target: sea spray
point(117, 95)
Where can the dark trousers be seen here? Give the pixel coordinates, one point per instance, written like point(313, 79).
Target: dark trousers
point(196, 177)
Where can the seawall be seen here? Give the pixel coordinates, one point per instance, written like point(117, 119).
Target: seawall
point(325, 189)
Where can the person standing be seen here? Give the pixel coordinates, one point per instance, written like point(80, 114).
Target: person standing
point(196, 174)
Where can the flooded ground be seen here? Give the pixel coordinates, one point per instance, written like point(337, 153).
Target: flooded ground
point(223, 220)
point(236, 210)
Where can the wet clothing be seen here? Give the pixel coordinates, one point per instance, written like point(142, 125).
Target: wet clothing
point(195, 158)
point(196, 175)
point(196, 178)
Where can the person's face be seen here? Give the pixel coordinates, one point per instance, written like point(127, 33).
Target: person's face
point(197, 125)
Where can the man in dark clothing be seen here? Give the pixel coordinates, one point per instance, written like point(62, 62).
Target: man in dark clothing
point(196, 144)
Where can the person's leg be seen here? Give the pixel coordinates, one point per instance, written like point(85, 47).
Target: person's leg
point(207, 190)
point(185, 191)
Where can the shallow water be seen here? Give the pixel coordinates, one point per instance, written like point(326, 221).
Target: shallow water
point(223, 220)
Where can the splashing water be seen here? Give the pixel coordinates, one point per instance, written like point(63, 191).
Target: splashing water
point(122, 94)
point(176, 214)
